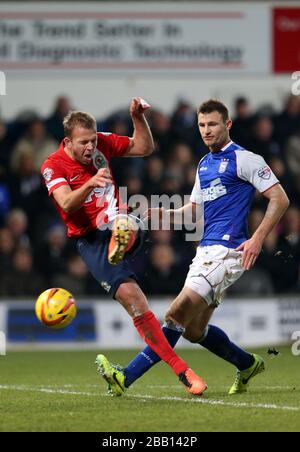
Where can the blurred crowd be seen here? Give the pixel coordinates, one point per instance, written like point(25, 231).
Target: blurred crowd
point(35, 253)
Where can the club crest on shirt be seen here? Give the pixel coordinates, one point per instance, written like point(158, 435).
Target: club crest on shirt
point(47, 174)
point(264, 172)
point(223, 165)
point(99, 160)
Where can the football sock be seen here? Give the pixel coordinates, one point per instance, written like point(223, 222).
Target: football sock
point(147, 358)
point(149, 329)
point(217, 342)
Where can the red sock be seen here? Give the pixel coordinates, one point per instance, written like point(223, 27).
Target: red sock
point(149, 329)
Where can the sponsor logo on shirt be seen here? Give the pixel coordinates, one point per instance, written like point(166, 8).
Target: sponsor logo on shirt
point(47, 174)
point(216, 190)
point(264, 172)
point(203, 168)
point(74, 177)
point(98, 191)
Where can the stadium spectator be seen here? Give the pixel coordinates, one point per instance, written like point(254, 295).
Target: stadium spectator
point(21, 279)
point(288, 120)
point(190, 174)
point(27, 193)
point(262, 141)
point(242, 122)
point(75, 277)
point(133, 183)
point(51, 254)
point(181, 157)
point(183, 251)
point(7, 247)
point(153, 175)
point(37, 142)
point(4, 149)
point(163, 276)
point(275, 259)
point(172, 182)
point(17, 222)
point(289, 240)
point(184, 125)
point(280, 170)
point(54, 124)
point(161, 130)
point(4, 201)
point(292, 158)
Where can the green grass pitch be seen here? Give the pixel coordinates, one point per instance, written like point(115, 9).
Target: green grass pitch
point(62, 391)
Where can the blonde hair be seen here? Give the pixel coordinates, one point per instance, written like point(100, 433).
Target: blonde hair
point(78, 118)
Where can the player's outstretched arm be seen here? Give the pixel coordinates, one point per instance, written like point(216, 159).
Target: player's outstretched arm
point(190, 213)
point(278, 203)
point(141, 144)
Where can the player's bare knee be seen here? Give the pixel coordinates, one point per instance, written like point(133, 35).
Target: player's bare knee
point(174, 318)
point(132, 299)
point(169, 318)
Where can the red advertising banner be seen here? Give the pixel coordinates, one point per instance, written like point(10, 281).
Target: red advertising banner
point(286, 39)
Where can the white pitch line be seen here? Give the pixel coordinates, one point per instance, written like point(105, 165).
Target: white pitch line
point(145, 397)
point(46, 389)
point(265, 388)
point(221, 402)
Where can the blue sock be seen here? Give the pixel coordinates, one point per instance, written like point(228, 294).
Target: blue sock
point(217, 342)
point(147, 358)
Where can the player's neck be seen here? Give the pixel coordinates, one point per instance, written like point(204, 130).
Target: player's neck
point(219, 146)
point(69, 153)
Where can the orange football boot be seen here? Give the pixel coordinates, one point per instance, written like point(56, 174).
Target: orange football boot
point(194, 384)
point(122, 239)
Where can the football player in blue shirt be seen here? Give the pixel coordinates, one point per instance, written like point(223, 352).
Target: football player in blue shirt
point(226, 181)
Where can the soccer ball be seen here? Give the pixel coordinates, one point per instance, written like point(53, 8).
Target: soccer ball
point(55, 308)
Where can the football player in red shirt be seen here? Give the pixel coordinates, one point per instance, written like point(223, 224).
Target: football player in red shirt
point(79, 179)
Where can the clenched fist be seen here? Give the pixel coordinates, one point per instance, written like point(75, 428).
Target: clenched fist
point(102, 178)
point(138, 106)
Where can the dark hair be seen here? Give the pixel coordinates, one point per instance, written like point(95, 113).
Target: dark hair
point(78, 118)
point(214, 105)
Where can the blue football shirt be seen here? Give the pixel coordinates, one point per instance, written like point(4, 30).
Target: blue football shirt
point(225, 183)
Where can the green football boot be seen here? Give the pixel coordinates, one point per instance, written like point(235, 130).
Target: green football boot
point(244, 376)
point(112, 374)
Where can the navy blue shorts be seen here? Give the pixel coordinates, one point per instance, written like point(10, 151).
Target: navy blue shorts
point(93, 248)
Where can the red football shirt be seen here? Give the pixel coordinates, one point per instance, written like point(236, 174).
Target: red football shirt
point(101, 204)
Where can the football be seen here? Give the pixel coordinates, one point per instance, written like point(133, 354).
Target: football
point(55, 308)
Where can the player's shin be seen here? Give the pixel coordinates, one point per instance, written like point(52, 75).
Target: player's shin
point(147, 357)
point(216, 341)
point(149, 329)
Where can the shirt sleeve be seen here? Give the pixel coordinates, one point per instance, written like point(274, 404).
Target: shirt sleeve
point(254, 169)
point(196, 195)
point(117, 145)
point(53, 176)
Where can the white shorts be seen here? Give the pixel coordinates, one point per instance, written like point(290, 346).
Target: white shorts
point(213, 270)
